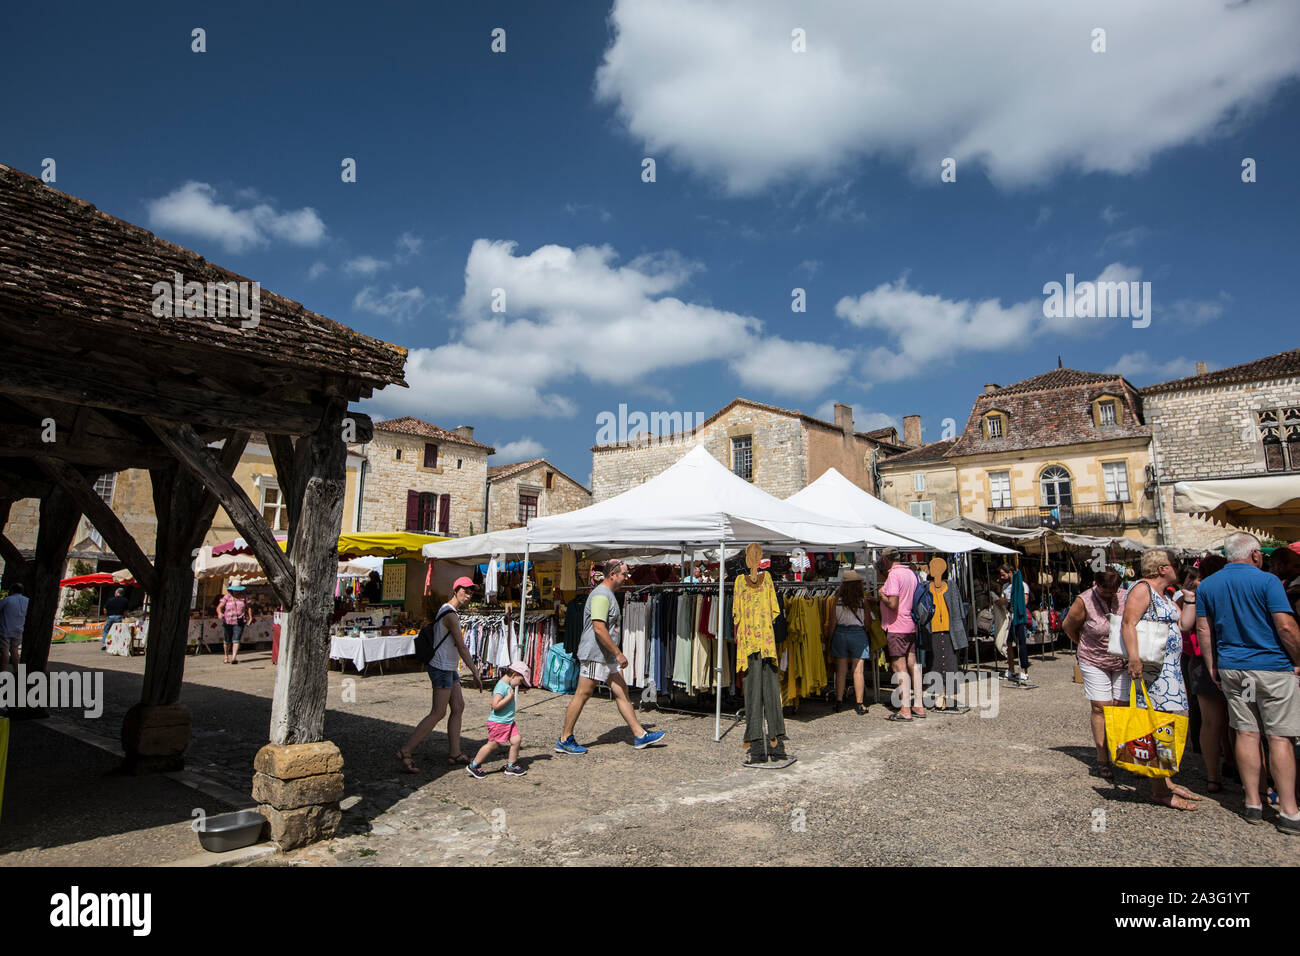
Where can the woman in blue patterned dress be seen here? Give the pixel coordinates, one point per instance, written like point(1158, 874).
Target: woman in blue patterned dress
point(1164, 682)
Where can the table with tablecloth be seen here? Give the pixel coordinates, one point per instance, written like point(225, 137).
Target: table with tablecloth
point(125, 634)
point(210, 631)
point(367, 650)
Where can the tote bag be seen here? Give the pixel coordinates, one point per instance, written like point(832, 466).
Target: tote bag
point(561, 673)
point(1144, 740)
point(1152, 636)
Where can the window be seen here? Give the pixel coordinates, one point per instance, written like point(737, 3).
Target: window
point(742, 456)
point(1280, 432)
point(428, 511)
point(1116, 475)
point(397, 454)
point(550, 480)
point(430, 456)
point(1000, 489)
point(922, 509)
point(458, 461)
point(273, 504)
point(994, 426)
point(918, 482)
point(1055, 484)
point(104, 487)
point(527, 508)
point(1106, 413)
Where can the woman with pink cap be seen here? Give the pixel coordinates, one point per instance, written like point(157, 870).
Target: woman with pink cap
point(502, 728)
point(448, 649)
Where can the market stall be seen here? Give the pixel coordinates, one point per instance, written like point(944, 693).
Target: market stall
point(1268, 505)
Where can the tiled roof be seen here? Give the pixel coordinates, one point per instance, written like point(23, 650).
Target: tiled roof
point(414, 426)
point(63, 260)
point(1281, 365)
point(931, 452)
point(879, 436)
point(1050, 410)
point(501, 472)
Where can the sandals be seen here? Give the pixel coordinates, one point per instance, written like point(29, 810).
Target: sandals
point(407, 761)
point(919, 714)
point(1106, 772)
point(899, 717)
point(456, 760)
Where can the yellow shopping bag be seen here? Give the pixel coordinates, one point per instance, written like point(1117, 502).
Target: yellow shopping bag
point(1144, 740)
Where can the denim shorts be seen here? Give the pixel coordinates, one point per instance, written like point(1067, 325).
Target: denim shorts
point(442, 680)
point(849, 642)
point(233, 633)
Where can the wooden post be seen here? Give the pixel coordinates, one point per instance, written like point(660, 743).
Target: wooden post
point(59, 519)
point(302, 678)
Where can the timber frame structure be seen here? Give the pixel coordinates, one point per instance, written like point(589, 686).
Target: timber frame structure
point(93, 382)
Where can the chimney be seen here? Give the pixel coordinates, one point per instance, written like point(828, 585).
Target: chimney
point(844, 419)
point(912, 430)
point(464, 431)
point(991, 387)
point(1201, 369)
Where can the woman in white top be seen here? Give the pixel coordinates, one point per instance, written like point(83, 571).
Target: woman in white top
point(850, 617)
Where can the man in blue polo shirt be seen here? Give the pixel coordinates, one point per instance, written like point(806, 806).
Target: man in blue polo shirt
point(1250, 643)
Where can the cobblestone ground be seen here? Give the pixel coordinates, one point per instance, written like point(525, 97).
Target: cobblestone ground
point(1007, 789)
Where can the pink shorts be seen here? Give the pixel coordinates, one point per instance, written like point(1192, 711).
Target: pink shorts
point(501, 733)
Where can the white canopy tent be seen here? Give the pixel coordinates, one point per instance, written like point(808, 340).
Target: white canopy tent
point(697, 502)
point(833, 494)
point(1268, 504)
point(1055, 539)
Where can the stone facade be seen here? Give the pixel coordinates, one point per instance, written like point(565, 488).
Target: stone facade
point(790, 450)
point(1207, 431)
point(461, 472)
point(898, 487)
point(505, 489)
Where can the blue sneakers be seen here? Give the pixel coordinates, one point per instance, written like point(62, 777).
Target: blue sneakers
point(651, 737)
point(569, 746)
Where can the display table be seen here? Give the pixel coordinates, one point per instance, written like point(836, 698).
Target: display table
point(210, 631)
point(367, 650)
point(126, 638)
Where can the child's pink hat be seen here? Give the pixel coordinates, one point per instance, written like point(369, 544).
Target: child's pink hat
point(520, 668)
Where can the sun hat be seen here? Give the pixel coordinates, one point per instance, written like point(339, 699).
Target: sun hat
point(850, 575)
point(520, 668)
point(889, 554)
point(236, 587)
point(463, 583)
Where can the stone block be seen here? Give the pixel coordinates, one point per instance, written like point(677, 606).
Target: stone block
point(156, 731)
point(324, 788)
point(295, 828)
point(292, 761)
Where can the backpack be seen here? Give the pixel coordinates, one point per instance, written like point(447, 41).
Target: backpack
point(560, 675)
point(922, 605)
point(424, 646)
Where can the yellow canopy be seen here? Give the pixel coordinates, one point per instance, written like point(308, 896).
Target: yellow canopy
point(396, 544)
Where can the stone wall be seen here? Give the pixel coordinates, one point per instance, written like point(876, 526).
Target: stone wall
point(897, 484)
point(461, 472)
point(1206, 433)
point(563, 496)
point(779, 443)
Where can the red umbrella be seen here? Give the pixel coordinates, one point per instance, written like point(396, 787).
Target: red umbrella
point(86, 581)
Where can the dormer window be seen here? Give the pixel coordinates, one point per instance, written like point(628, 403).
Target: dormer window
point(995, 425)
point(1107, 411)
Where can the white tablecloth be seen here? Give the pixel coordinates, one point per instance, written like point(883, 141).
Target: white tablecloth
point(210, 631)
point(366, 650)
point(119, 637)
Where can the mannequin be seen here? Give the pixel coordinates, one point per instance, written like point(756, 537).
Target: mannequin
point(754, 609)
point(947, 632)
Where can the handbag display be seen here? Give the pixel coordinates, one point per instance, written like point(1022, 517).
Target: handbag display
point(1152, 636)
point(561, 673)
point(1145, 741)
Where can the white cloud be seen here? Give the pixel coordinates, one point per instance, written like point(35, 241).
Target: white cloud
point(1141, 368)
point(408, 244)
point(576, 314)
point(1125, 239)
point(1044, 214)
point(364, 266)
point(193, 209)
point(317, 270)
point(714, 85)
point(522, 449)
point(864, 419)
point(810, 266)
point(397, 304)
point(1110, 215)
point(1191, 313)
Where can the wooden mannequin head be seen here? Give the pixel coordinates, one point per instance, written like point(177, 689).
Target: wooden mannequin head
point(937, 568)
point(753, 555)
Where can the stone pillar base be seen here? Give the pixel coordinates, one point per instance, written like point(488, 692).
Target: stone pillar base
point(298, 788)
point(155, 738)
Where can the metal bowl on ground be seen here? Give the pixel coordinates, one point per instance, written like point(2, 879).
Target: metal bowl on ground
point(232, 831)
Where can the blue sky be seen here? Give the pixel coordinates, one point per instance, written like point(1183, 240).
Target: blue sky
point(775, 170)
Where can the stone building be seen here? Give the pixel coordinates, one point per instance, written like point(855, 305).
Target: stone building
point(419, 477)
point(779, 450)
point(1067, 445)
point(1238, 422)
point(530, 489)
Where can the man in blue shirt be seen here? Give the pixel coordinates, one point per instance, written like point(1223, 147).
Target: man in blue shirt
point(13, 615)
point(1250, 644)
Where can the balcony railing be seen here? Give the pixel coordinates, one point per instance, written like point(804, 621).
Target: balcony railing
point(1109, 514)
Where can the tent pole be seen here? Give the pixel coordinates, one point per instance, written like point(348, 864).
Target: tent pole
point(523, 607)
point(970, 579)
point(722, 577)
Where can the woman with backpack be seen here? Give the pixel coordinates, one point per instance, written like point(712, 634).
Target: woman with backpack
point(444, 645)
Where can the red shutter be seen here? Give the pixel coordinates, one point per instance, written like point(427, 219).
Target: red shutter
point(412, 511)
point(430, 456)
point(444, 514)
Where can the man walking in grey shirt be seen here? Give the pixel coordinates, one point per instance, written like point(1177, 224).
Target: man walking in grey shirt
point(602, 661)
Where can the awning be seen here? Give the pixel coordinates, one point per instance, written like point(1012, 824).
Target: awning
point(1055, 539)
point(395, 544)
point(1269, 504)
point(88, 581)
